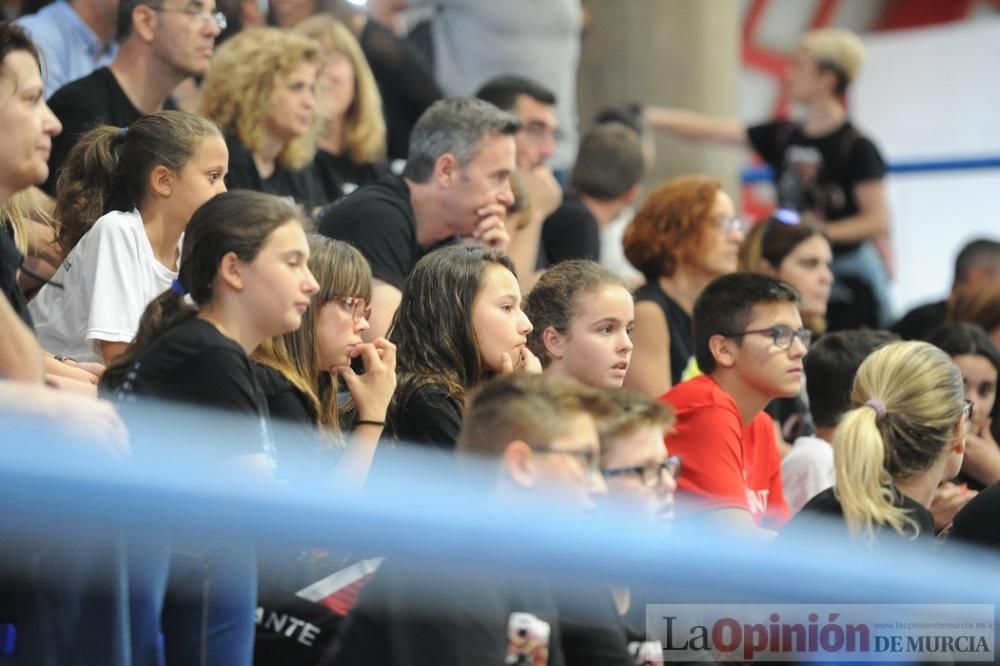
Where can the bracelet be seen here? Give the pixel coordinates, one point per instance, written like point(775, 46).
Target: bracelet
point(361, 422)
point(63, 359)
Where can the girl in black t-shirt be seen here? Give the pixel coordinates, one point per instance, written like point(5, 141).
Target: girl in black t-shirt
point(905, 434)
point(300, 369)
point(459, 322)
point(244, 269)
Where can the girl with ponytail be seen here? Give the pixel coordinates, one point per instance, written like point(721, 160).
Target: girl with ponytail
point(903, 437)
point(243, 278)
point(125, 196)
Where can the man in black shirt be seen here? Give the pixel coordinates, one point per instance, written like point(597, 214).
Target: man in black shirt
point(539, 433)
point(456, 185)
point(605, 180)
point(977, 265)
point(822, 165)
point(162, 44)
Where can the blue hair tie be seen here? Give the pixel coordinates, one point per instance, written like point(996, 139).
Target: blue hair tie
point(787, 216)
point(177, 287)
point(122, 133)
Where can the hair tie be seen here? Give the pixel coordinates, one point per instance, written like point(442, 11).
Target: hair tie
point(177, 287)
point(120, 136)
point(787, 216)
point(879, 408)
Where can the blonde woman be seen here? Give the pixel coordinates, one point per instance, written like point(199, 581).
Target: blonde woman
point(260, 91)
point(351, 130)
point(903, 437)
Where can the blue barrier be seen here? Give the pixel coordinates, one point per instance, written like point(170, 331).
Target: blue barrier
point(763, 174)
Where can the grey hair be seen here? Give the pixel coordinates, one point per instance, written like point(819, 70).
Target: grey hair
point(455, 125)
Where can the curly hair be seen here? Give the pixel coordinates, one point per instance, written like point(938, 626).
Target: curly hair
point(670, 228)
point(365, 123)
point(240, 85)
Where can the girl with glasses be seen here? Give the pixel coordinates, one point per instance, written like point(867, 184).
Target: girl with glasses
point(301, 371)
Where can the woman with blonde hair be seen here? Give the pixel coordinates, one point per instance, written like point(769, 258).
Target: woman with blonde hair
point(260, 91)
point(903, 437)
point(685, 235)
point(351, 129)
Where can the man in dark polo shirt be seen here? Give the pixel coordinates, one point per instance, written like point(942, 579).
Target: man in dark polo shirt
point(163, 42)
point(456, 185)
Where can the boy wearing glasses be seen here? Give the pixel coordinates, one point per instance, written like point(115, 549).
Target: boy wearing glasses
point(750, 343)
point(534, 442)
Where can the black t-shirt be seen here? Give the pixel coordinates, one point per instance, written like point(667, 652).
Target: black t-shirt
point(827, 504)
point(405, 82)
point(918, 323)
point(96, 99)
point(428, 415)
point(301, 185)
point(339, 175)
point(818, 174)
point(592, 631)
point(412, 615)
point(194, 364)
point(10, 260)
point(678, 323)
point(379, 221)
point(570, 232)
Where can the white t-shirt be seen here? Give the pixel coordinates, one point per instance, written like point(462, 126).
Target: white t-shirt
point(109, 277)
point(806, 471)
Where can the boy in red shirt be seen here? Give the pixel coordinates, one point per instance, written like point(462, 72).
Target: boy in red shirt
point(749, 342)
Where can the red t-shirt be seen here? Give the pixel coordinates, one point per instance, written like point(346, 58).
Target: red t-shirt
point(725, 465)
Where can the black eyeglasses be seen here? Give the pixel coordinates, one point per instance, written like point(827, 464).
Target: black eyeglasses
point(781, 334)
point(590, 459)
point(652, 475)
point(202, 15)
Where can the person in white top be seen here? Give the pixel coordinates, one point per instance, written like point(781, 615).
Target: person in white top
point(124, 198)
point(830, 367)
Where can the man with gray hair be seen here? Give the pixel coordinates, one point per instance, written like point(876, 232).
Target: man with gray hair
point(456, 186)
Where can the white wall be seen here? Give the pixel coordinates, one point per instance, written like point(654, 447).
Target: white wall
point(933, 94)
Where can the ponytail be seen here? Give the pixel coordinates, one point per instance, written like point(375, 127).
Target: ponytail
point(863, 484)
point(908, 399)
point(109, 168)
point(85, 184)
point(163, 313)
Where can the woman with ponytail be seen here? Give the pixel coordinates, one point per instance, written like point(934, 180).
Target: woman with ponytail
point(905, 434)
point(243, 278)
point(125, 196)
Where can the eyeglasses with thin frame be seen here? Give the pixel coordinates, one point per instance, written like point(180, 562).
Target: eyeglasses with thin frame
point(202, 15)
point(590, 459)
point(358, 307)
point(651, 475)
point(728, 224)
point(781, 334)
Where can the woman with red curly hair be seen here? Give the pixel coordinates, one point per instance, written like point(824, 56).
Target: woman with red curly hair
point(685, 235)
